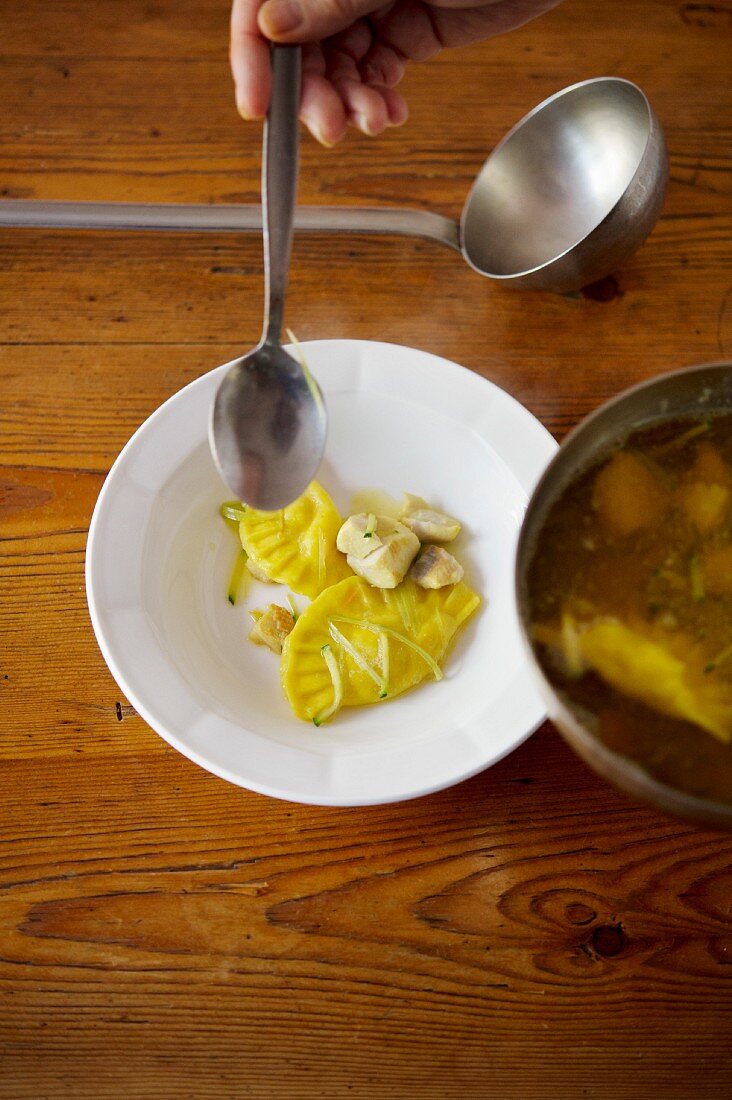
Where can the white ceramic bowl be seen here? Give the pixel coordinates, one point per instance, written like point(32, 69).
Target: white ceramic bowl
point(159, 557)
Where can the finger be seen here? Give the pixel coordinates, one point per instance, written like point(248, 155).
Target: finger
point(460, 27)
point(408, 27)
point(506, 14)
point(322, 109)
point(382, 66)
point(396, 106)
point(310, 20)
point(365, 107)
point(355, 40)
point(250, 64)
point(312, 59)
point(340, 66)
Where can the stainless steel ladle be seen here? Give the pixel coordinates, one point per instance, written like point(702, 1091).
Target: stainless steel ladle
point(566, 197)
point(571, 191)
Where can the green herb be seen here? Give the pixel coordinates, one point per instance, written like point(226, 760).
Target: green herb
point(370, 526)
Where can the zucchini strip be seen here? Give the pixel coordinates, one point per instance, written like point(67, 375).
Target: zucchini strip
point(335, 675)
point(233, 511)
point(311, 383)
point(293, 606)
point(696, 579)
point(321, 559)
point(237, 575)
point(357, 658)
point(384, 662)
point(377, 628)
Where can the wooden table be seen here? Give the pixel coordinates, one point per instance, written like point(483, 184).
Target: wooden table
point(530, 933)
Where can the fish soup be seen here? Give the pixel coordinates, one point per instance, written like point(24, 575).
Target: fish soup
point(630, 599)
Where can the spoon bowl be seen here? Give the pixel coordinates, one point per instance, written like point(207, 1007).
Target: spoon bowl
point(268, 428)
point(268, 423)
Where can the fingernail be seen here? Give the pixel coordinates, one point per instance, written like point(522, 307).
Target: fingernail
point(281, 16)
point(363, 125)
point(319, 136)
point(247, 115)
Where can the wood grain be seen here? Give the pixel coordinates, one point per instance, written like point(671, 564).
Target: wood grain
point(530, 933)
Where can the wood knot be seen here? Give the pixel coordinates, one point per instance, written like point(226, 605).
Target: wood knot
point(604, 290)
point(577, 913)
point(15, 496)
point(608, 940)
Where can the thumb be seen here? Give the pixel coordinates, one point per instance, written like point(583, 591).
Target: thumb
point(310, 20)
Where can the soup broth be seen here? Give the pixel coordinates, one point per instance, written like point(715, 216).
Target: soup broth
point(630, 593)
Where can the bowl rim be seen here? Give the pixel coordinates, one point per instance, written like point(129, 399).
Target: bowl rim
point(414, 361)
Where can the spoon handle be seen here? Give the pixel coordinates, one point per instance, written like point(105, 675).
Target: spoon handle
point(279, 182)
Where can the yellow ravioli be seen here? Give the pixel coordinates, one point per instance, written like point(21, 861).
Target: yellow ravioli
point(428, 617)
point(296, 545)
point(647, 670)
point(665, 671)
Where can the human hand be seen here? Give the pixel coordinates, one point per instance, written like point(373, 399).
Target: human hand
point(356, 51)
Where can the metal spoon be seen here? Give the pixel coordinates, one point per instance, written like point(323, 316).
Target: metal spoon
point(268, 421)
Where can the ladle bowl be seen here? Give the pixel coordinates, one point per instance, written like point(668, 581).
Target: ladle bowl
point(571, 191)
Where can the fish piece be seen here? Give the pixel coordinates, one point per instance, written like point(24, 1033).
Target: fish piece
point(359, 535)
point(427, 524)
point(436, 568)
point(387, 565)
point(271, 627)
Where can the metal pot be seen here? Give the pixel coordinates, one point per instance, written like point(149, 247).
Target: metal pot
point(693, 392)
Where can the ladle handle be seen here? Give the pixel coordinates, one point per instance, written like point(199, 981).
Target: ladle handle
point(225, 218)
point(279, 182)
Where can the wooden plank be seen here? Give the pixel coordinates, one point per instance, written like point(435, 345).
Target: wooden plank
point(508, 937)
point(529, 933)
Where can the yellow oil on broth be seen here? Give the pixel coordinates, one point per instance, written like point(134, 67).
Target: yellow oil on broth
point(645, 539)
